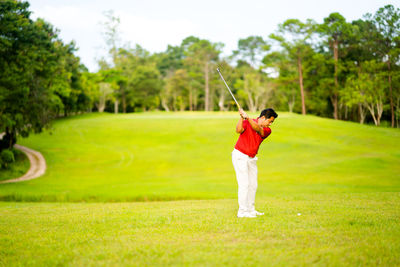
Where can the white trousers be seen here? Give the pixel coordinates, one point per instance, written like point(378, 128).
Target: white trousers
point(246, 176)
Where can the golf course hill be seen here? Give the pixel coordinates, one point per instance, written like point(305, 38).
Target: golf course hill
point(175, 156)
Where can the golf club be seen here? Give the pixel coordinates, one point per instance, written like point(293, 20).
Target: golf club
point(228, 88)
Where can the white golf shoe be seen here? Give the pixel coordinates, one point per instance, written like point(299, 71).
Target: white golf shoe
point(256, 213)
point(246, 215)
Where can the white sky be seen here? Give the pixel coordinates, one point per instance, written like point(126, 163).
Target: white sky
point(154, 24)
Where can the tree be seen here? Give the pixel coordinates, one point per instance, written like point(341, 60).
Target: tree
point(287, 78)
point(67, 82)
point(360, 47)
point(146, 85)
point(335, 29)
point(318, 69)
point(178, 86)
point(387, 21)
point(252, 50)
point(353, 94)
point(396, 97)
point(170, 60)
point(126, 62)
point(168, 63)
point(90, 83)
point(29, 60)
point(105, 91)
point(111, 33)
point(230, 74)
point(112, 38)
point(196, 83)
point(204, 54)
point(367, 89)
point(293, 36)
point(253, 87)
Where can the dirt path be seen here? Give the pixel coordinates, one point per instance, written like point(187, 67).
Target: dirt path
point(37, 169)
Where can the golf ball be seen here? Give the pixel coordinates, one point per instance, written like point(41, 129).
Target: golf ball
point(298, 214)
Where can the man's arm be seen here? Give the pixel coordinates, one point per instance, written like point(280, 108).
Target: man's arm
point(256, 127)
point(239, 126)
point(253, 124)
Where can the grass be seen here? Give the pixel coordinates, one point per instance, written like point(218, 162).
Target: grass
point(17, 168)
point(342, 178)
point(338, 229)
point(159, 156)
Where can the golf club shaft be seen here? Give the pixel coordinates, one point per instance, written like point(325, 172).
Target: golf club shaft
point(228, 88)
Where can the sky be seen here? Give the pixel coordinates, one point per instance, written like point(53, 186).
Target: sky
point(155, 24)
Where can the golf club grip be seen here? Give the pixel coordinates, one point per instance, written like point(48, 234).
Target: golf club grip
point(220, 74)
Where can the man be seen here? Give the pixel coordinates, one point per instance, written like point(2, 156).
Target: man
point(252, 133)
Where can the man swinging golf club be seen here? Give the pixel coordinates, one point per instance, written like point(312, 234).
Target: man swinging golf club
point(252, 133)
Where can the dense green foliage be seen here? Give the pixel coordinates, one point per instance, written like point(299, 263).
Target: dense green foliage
point(186, 155)
point(39, 74)
point(6, 158)
point(15, 169)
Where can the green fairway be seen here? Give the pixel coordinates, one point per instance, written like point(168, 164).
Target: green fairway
point(166, 156)
point(340, 229)
point(329, 190)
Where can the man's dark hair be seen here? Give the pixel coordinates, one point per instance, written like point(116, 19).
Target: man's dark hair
point(268, 113)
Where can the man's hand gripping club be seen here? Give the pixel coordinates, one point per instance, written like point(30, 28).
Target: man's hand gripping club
point(243, 114)
point(255, 125)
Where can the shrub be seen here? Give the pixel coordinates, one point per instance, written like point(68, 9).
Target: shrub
point(17, 153)
point(7, 157)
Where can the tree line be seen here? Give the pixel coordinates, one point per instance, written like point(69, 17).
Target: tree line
point(342, 69)
point(339, 69)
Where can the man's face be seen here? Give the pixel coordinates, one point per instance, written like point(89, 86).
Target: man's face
point(266, 122)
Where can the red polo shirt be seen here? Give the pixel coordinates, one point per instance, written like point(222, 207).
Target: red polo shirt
point(249, 141)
